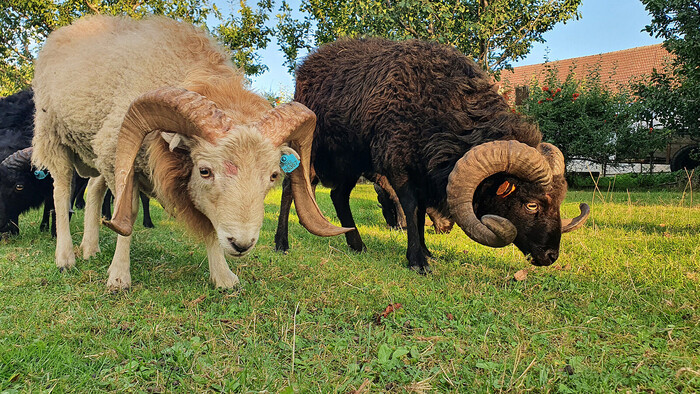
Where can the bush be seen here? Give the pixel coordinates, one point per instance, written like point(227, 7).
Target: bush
point(633, 181)
point(588, 119)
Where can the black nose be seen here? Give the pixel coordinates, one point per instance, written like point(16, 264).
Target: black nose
point(241, 247)
point(552, 255)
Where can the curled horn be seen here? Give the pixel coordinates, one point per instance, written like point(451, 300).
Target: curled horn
point(173, 109)
point(479, 163)
point(18, 160)
point(556, 161)
point(568, 225)
point(294, 124)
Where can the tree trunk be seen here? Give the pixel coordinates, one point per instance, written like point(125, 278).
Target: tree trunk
point(483, 44)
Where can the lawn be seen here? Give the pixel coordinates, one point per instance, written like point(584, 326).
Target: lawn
point(619, 311)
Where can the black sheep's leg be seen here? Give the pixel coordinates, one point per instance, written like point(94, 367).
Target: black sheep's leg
point(420, 220)
point(49, 216)
point(44, 226)
point(146, 202)
point(107, 205)
point(78, 194)
point(341, 201)
point(282, 234)
point(415, 254)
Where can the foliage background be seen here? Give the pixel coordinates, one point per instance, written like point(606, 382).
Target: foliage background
point(589, 119)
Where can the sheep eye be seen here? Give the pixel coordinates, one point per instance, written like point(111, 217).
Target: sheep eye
point(205, 172)
point(274, 176)
point(532, 206)
point(19, 188)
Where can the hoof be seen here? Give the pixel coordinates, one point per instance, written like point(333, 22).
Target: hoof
point(118, 281)
point(421, 269)
point(226, 281)
point(358, 249)
point(117, 285)
point(66, 262)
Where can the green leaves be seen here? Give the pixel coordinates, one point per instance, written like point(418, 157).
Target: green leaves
point(25, 24)
point(494, 32)
point(586, 119)
point(673, 94)
point(390, 358)
point(247, 33)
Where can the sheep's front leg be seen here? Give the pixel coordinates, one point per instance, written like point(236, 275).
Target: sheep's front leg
point(340, 196)
point(62, 177)
point(219, 272)
point(91, 233)
point(119, 270)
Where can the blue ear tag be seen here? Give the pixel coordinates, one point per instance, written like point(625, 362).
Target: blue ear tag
point(289, 163)
point(40, 174)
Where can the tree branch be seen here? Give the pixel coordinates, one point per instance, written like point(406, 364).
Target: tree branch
point(92, 7)
point(507, 51)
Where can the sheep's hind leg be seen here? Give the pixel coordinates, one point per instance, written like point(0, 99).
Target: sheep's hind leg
point(95, 194)
point(46, 217)
point(341, 201)
point(119, 270)
point(282, 233)
point(219, 272)
point(146, 204)
point(415, 251)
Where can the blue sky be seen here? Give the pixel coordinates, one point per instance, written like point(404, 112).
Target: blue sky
point(604, 26)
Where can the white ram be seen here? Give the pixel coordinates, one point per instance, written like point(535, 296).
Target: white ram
point(103, 85)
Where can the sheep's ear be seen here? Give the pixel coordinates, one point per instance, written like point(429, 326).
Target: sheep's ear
point(176, 141)
point(289, 159)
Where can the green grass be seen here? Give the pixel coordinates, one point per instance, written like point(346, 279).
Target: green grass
point(620, 310)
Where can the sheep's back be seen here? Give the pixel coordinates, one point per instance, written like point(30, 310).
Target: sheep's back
point(407, 107)
point(88, 73)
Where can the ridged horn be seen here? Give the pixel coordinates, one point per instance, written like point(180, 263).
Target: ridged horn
point(480, 162)
point(556, 161)
point(19, 159)
point(568, 225)
point(168, 109)
point(554, 157)
point(294, 123)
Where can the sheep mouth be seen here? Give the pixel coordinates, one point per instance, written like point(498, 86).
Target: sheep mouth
point(234, 253)
point(541, 260)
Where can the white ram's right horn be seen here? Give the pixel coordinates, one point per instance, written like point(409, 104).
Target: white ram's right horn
point(294, 124)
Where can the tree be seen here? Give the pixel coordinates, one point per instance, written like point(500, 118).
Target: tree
point(495, 32)
point(247, 34)
point(24, 25)
point(673, 94)
point(588, 120)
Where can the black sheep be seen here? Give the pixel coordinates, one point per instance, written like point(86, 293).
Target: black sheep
point(16, 122)
point(21, 189)
point(430, 120)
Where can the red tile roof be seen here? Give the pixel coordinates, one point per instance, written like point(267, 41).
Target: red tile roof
point(616, 68)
